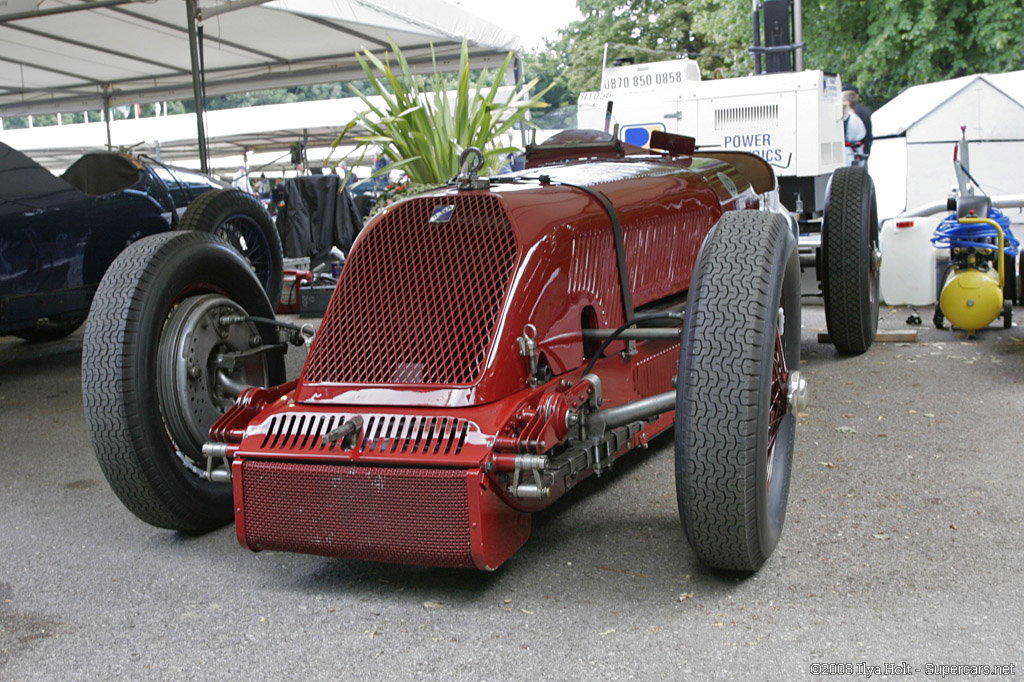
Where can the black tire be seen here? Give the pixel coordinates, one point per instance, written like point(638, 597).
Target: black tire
point(939, 318)
point(51, 328)
point(850, 260)
point(733, 460)
point(146, 291)
point(1009, 269)
point(1020, 278)
point(240, 219)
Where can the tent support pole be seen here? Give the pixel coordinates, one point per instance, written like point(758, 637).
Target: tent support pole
point(197, 93)
point(106, 120)
point(519, 77)
point(798, 34)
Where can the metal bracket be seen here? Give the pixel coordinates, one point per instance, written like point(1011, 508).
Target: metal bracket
point(533, 464)
point(528, 349)
point(218, 451)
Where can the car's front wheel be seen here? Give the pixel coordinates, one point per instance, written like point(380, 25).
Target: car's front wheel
point(168, 346)
point(738, 383)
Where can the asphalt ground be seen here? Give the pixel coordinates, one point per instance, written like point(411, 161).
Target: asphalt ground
point(902, 547)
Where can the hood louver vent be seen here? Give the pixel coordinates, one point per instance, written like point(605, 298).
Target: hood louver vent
point(414, 435)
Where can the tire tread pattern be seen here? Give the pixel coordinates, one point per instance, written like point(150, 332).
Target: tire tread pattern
point(850, 316)
point(720, 393)
point(110, 388)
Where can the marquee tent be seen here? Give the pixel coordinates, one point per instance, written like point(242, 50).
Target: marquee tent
point(81, 55)
point(96, 53)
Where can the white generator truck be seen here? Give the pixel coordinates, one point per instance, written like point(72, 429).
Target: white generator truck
point(792, 120)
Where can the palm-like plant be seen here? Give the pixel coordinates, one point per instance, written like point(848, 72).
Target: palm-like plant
point(423, 131)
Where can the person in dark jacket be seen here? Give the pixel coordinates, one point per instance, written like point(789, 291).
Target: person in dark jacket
point(863, 112)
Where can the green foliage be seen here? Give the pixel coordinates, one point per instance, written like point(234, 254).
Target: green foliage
point(305, 93)
point(549, 67)
point(726, 30)
point(645, 30)
point(884, 46)
point(424, 130)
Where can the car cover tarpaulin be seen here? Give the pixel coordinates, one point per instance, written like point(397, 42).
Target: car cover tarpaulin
point(316, 216)
point(25, 185)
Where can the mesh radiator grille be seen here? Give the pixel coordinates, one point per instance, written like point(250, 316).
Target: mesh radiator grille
point(409, 516)
point(418, 301)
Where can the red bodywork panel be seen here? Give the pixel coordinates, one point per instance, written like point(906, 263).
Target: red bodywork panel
point(420, 347)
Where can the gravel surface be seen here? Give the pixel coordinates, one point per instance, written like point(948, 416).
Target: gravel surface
point(902, 546)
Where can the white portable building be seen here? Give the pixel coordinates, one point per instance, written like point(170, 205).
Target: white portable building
point(912, 167)
point(912, 155)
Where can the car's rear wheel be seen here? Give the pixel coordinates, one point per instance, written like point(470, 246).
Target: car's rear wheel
point(167, 347)
point(51, 328)
point(850, 260)
point(241, 220)
point(738, 379)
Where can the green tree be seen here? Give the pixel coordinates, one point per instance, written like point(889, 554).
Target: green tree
point(726, 31)
point(644, 30)
point(549, 69)
point(886, 46)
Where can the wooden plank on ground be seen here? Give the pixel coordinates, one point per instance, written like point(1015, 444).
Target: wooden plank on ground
point(882, 336)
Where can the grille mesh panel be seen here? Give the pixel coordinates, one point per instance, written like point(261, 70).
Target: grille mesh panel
point(409, 516)
point(418, 302)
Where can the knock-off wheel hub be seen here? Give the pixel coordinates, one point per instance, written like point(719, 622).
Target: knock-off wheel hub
point(796, 392)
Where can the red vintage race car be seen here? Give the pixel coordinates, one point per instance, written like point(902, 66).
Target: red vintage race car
point(488, 346)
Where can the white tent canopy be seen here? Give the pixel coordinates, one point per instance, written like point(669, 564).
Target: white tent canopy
point(248, 136)
point(81, 55)
point(258, 130)
point(911, 157)
point(987, 103)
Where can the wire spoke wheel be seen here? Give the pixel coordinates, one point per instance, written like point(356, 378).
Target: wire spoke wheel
point(779, 405)
point(244, 233)
point(239, 219)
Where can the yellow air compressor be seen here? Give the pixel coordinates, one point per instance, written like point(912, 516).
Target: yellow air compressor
point(972, 290)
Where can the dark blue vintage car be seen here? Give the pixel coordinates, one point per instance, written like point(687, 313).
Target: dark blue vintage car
point(58, 235)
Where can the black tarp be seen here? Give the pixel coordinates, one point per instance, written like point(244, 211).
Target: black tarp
point(25, 185)
point(316, 216)
point(101, 173)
